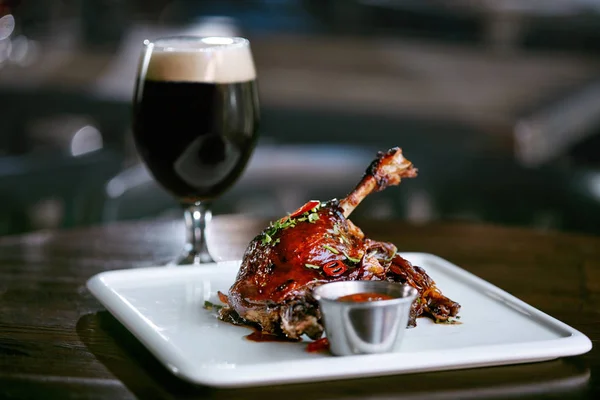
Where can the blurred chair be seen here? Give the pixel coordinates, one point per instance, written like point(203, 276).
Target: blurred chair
point(564, 136)
point(51, 191)
point(550, 132)
point(57, 182)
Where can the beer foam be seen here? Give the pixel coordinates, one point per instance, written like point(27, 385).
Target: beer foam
point(208, 60)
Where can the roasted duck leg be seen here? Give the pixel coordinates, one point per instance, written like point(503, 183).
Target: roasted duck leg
point(317, 244)
point(387, 169)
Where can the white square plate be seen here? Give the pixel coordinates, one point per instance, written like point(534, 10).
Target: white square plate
point(163, 308)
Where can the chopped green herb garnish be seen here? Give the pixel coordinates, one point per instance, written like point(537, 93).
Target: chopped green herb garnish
point(288, 222)
point(331, 249)
point(312, 266)
point(351, 259)
point(391, 257)
point(267, 239)
point(210, 306)
point(335, 230)
point(275, 227)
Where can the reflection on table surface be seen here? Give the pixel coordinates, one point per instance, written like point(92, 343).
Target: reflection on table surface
point(143, 374)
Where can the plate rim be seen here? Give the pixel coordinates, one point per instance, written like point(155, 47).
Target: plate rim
point(572, 343)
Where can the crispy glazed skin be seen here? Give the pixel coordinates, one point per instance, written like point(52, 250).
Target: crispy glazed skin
point(273, 287)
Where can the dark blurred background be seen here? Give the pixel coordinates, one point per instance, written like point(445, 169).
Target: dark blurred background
point(497, 102)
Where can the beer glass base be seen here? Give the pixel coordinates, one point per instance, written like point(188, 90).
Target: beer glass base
point(197, 216)
point(192, 258)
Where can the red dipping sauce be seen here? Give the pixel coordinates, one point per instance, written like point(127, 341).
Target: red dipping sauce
point(364, 297)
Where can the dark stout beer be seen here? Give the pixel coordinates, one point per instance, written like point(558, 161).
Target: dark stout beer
point(196, 129)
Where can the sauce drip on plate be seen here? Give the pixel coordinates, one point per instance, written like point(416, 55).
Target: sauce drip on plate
point(258, 336)
point(319, 345)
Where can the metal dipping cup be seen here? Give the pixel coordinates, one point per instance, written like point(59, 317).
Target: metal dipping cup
point(364, 327)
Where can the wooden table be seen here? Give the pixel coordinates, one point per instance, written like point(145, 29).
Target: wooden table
point(57, 341)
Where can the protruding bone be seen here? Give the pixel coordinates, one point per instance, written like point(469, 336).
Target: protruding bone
point(387, 169)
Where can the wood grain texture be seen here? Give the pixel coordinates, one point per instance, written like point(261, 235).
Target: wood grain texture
point(57, 341)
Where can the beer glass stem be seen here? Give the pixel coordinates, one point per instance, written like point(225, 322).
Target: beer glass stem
point(197, 216)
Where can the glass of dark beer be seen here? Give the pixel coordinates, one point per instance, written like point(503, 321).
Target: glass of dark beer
point(196, 117)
